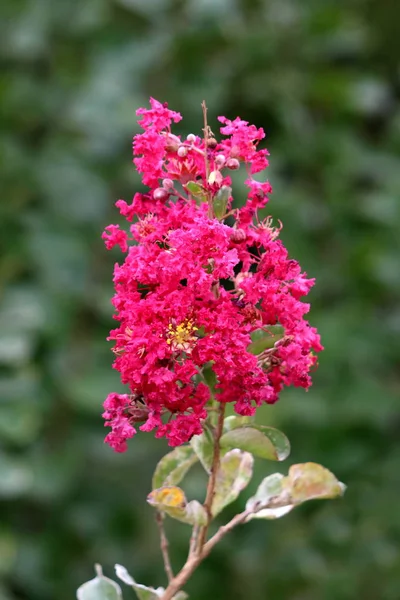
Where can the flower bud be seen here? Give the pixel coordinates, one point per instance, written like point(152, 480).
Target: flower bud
point(182, 151)
point(215, 177)
point(168, 184)
point(172, 142)
point(191, 138)
point(160, 194)
point(220, 160)
point(238, 235)
point(212, 143)
point(233, 164)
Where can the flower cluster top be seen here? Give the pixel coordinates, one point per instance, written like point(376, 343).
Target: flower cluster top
point(205, 290)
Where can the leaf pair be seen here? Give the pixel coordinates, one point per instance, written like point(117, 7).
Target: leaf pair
point(144, 592)
point(242, 433)
point(239, 432)
point(241, 440)
point(234, 473)
point(277, 495)
point(103, 588)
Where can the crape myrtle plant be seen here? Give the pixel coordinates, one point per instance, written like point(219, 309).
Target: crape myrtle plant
point(210, 312)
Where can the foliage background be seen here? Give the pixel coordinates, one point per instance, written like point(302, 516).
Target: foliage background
point(323, 79)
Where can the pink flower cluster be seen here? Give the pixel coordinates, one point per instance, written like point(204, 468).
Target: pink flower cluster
point(200, 280)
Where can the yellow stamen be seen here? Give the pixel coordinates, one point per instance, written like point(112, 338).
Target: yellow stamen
point(181, 337)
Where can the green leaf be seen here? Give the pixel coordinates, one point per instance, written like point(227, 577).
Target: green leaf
point(172, 501)
point(173, 467)
point(269, 488)
point(196, 190)
point(309, 481)
point(234, 473)
point(195, 514)
point(277, 495)
point(269, 443)
point(142, 591)
point(220, 201)
point(262, 340)
point(234, 422)
point(203, 447)
point(99, 588)
point(268, 492)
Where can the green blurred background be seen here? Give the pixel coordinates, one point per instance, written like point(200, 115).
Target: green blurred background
point(323, 78)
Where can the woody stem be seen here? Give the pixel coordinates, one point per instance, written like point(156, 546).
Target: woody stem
point(212, 479)
point(193, 561)
point(164, 546)
point(207, 166)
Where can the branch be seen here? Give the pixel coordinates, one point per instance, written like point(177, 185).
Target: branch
point(194, 540)
point(205, 130)
point(181, 578)
point(213, 478)
point(207, 166)
point(223, 530)
point(194, 560)
point(164, 546)
point(198, 548)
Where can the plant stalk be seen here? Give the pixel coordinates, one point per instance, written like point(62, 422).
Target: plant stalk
point(164, 546)
point(194, 561)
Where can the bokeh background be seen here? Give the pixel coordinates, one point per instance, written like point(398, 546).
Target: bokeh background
point(323, 78)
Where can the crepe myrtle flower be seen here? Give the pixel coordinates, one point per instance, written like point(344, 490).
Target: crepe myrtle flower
point(193, 290)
